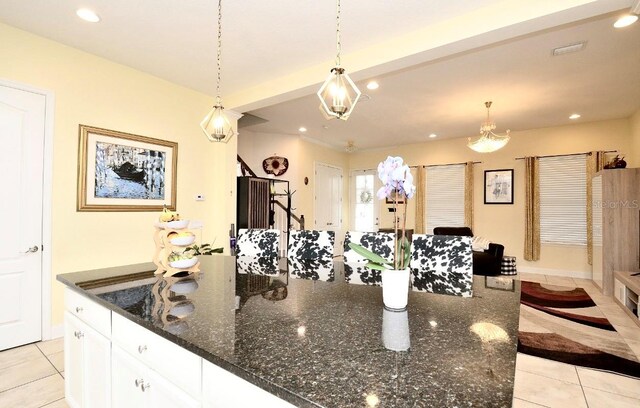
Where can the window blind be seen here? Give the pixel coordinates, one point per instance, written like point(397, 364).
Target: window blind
point(445, 196)
point(563, 199)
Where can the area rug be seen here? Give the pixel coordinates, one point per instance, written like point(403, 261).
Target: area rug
point(564, 324)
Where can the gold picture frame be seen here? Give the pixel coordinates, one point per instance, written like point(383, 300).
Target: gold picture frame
point(120, 171)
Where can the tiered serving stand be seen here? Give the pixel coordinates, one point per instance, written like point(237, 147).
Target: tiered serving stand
point(166, 243)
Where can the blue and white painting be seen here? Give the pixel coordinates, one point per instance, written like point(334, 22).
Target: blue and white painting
point(129, 172)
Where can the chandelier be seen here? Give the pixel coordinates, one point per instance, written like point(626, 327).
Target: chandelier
point(488, 141)
point(351, 147)
point(216, 125)
point(338, 94)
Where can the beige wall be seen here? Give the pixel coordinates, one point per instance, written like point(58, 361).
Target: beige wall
point(254, 147)
point(93, 91)
point(505, 223)
point(633, 159)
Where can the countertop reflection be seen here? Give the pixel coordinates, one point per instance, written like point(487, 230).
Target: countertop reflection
point(317, 337)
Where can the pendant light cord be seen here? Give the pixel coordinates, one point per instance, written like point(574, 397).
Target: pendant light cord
point(338, 44)
point(218, 98)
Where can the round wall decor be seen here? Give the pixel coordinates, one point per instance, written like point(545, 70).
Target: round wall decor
point(275, 165)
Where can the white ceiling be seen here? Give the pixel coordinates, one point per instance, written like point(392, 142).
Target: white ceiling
point(267, 43)
point(529, 89)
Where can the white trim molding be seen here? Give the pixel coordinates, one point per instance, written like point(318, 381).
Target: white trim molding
point(556, 272)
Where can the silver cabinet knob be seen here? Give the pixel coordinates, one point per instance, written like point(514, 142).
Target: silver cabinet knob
point(145, 387)
point(79, 309)
point(141, 349)
point(78, 334)
point(139, 382)
point(34, 248)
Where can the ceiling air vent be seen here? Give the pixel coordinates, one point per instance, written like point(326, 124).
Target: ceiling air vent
point(568, 49)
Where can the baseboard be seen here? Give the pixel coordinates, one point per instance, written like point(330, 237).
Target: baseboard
point(556, 272)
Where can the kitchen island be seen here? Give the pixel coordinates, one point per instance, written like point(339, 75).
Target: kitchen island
point(307, 338)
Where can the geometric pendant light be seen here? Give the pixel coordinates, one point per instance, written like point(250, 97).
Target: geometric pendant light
point(216, 125)
point(338, 94)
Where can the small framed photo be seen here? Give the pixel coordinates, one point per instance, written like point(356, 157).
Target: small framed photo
point(124, 172)
point(498, 186)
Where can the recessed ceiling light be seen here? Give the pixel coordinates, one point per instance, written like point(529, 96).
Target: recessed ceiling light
point(373, 85)
point(88, 15)
point(302, 129)
point(574, 116)
point(433, 135)
point(625, 20)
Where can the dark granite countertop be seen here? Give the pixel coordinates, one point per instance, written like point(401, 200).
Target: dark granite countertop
point(321, 343)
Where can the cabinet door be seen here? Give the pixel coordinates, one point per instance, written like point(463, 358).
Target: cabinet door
point(127, 375)
point(97, 369)
point(73, 356)
point(164, 394)
point(222, 389)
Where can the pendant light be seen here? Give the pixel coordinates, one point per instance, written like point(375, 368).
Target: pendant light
point(338, 94)
point(488, 141)
point(216, 125)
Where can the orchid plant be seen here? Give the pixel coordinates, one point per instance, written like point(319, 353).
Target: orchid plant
point(397, 184)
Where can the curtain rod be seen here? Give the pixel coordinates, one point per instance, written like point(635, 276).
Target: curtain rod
point(566, 155)
point(449, 164)
point(425, 165)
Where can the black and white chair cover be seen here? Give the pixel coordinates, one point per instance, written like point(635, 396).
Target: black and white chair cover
point(258, 242)
point(442, 264)
point(257, 265)
point(380, 243)
point(306, 244)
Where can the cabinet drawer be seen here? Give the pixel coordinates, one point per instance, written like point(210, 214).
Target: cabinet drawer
point(179, 366)
point(223, 389)
point(85, 309)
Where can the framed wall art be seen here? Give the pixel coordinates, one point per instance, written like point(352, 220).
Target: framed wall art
point(123, 172)
point(498, 186)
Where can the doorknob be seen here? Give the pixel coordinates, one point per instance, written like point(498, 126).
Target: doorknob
point(34, 248)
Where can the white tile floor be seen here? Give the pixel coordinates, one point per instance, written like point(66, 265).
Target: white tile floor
point(32, 376)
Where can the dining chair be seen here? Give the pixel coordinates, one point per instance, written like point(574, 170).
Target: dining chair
point(358, 273)
point(380, 243)
point(311, 244)
point(258, 242)
point(442, 264)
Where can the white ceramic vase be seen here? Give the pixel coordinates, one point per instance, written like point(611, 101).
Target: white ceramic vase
point(395, 289)
point(395, 330)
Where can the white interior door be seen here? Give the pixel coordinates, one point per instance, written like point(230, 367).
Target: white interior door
point(365, 208)
point(22, 127)
point(328, 197)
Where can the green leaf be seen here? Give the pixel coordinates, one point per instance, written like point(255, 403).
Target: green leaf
point(217, 250)
point(375, 258)
point(372, 265)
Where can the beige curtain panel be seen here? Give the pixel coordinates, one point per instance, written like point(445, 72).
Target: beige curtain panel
point(532, 210)
point(420, 195)
point(595, 163)
point(468, 195)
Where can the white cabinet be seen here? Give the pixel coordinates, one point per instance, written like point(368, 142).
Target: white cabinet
point(135, 385)
point(221, 389)
point(173, 362)
point(87, 365)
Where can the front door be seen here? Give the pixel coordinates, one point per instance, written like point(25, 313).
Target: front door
point(328, 197)
point(22, 119)
point(365, 208)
